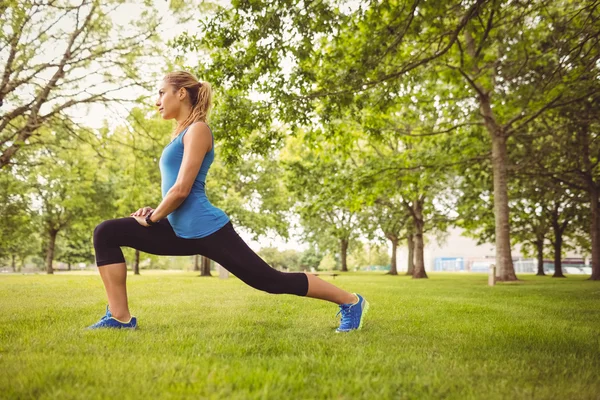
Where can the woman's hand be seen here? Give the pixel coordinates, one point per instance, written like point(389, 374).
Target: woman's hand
point(141, 220)
point(142, 212)
point(140, 215)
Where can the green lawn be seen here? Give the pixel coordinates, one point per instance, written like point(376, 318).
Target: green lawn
point(451, 336)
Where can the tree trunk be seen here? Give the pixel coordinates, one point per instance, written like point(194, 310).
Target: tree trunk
point(13, 264)
point(540, 257)
point(558, 231)
point(595, 234)
point(583, 135)
point(558, 256)
point(344, 253)
point(411, 254)
point(205, 269)
point(393, 264)
point(196, 262)
point(136, 264)
point(68, 266)
point(50, 252)
point(419, 268)
point(505, 269)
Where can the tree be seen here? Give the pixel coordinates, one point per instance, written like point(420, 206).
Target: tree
point(562, 210)
point(205, 269)
point(576, 161)
point(250, 191)
point(76, 244)
point(327, 204)
point(94, 61)
point(498, 49)
point(17, 231)
point(407, 166)
point(310, 258)
point(530, 220)
point(327, 263)
point(390, 216)
point(131, 164)
point(68, 186)
point(511, 62)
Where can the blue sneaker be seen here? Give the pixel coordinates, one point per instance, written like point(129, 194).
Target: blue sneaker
point(352, 315)
point(108, 321)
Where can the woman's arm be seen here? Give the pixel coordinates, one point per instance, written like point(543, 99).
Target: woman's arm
point(196, 143)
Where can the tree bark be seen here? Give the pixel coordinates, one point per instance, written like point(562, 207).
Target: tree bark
point(540, 257)
point(583, 135)
point(558, 257)
point(13, 264)
point(205, 269)
point(504, 263)
point(393, 264)
point(136, 264)
point(419, 268)
point(196, 263)
point(595, 234)
point(505, 270)
point(68, 266)
point(344, 253)
point(411, 254)
point(50, 252)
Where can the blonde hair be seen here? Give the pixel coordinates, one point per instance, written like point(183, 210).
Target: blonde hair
point(200, 94)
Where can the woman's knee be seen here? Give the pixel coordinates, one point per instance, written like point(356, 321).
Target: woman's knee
point(104, 231)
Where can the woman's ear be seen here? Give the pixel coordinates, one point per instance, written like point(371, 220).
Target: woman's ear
point(182, 94)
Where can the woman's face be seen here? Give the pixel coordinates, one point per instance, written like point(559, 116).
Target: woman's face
point(168, 102)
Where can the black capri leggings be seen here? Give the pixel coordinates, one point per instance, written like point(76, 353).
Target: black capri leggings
point(224, 246)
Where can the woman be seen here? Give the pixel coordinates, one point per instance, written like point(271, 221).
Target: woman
point(186, 223)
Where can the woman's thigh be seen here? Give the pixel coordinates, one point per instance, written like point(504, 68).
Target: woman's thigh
point(159, 239)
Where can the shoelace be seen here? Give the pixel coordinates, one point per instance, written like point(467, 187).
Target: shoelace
point(346, 315)
point(106, 316)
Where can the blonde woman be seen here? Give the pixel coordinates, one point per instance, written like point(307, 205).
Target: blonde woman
point(186, 223)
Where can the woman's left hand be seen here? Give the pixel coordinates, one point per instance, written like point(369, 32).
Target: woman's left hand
point(140, 220)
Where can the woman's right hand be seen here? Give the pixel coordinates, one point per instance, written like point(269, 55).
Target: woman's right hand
point(142, 212)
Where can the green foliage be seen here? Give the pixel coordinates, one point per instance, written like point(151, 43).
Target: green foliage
point(327, 263)
point(357, 120)
point(441, 82)
point(287, 259)
point(59, 57)
point(366, 255)
point(310, 258)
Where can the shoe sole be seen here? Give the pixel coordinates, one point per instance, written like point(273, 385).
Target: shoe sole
point(364, 312)
point(114, 327)
point(362, 318)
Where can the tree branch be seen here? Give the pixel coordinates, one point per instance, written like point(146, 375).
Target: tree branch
point(411, 65)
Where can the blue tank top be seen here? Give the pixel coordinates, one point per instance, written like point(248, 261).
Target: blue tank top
point(196, 217)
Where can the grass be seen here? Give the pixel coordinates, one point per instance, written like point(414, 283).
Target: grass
point(451, 337)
